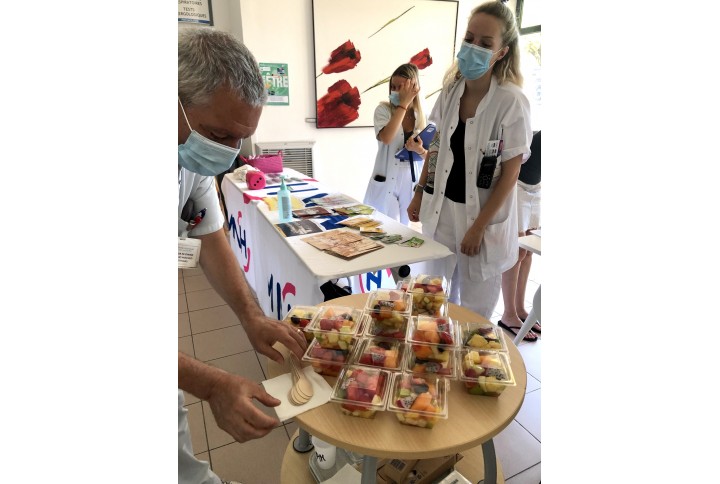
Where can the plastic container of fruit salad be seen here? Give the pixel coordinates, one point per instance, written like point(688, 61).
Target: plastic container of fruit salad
point(300, 316)
point(485, 373)
point(335, 327)
point(388, 313)
point(361, 391)
point(427, 368)
point(380, 353)
point(388, 300)
point(326, 361)
point(392, 327)
point(418, 401)
point(432, 338)
point(429, 294)
point(484, 336)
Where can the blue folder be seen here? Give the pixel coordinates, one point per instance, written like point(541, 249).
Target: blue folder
point(426, 135)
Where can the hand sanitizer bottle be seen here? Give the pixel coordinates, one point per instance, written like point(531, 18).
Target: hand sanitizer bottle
point(284, 205)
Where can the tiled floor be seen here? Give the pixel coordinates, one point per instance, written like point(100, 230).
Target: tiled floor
point(208, 330)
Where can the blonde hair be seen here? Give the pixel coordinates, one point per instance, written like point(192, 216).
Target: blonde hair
point(507, 68)
point(410, 71)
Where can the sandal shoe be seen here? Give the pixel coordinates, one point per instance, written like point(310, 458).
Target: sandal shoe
point(536, 327)
point(530, 336)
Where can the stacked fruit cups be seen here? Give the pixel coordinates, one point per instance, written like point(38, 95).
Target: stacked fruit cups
point(483, 360)
point(334, 331)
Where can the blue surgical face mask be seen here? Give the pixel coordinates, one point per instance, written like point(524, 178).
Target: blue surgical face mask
point(473, 60)
point(204, 156)
point(395, 98)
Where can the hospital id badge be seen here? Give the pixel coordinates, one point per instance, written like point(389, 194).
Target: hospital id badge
point(188, 252)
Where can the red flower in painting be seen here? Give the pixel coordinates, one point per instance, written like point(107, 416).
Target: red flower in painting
point(339, 106)
point(422, 59)
point(342, 59)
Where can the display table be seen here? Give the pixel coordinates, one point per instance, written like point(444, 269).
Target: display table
point(285, 271)
point(473, 420)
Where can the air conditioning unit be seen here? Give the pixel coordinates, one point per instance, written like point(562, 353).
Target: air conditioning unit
point(297, 155)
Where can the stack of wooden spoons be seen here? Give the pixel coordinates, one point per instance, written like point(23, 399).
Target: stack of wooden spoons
point(302, 390)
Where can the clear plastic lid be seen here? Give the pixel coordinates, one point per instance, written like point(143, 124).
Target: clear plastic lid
point(382, 325)
point(389, 300)
point(432, 338)
point(426, 368)
point(421, 401)
point(430, 284)
point(482, 336)
point(301, 316)
point(361, 388)
point(326, 361)
point(336, 326)
point(379, 352)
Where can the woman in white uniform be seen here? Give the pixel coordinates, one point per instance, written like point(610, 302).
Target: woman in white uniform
point(470, 205)
point(391, 182)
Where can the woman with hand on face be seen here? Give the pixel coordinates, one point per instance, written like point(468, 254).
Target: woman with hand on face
point(465, 198)
point(396, 123)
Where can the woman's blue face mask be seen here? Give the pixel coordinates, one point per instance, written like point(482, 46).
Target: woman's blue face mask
point(473, 60)
point(395, 98)
point(204, 156)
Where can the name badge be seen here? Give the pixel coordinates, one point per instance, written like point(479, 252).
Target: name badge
point(493, 148)
point(188, 252)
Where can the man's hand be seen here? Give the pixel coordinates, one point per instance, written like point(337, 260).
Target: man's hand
point(264, 332)
point(231, 402)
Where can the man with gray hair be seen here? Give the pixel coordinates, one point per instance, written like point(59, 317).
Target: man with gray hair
point(220, 99)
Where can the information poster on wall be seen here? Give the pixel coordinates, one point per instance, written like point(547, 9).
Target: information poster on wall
point(196, 11)
point(276, 83)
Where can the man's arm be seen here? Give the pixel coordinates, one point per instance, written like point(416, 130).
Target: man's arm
point(225, 275)
point(230, 398)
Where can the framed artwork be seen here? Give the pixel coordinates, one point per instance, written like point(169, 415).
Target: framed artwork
point(358, 45)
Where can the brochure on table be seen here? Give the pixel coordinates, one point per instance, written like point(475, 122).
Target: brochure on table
point(285, 271)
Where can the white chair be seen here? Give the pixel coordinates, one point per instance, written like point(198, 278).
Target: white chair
point(533, 317)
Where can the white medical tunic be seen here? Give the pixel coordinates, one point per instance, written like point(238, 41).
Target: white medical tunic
point(392, 196)
point(506, 110)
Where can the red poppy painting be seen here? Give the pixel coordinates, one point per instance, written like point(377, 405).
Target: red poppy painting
point(342, 59)
point(339, 107)
point(422, 59)
point(349, 86)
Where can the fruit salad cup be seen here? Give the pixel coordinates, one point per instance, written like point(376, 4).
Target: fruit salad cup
point(379, 352)
point(394, 327)
point(361, 391)
point(482, 336)
point(418, 401)
point(335, 327)
point(300, 316)
point(388, 311)
point(432, 339)
point(326, 361)
point(430, 295)
point(427, 368)
point(485, 372)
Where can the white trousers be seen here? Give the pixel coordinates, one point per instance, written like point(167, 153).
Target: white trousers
point(190, 469)
point(480, 297)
